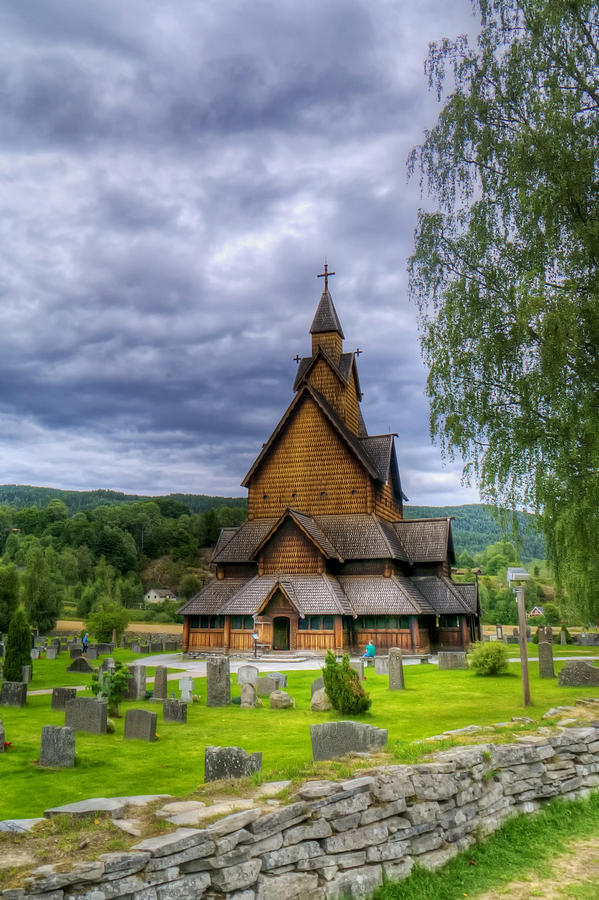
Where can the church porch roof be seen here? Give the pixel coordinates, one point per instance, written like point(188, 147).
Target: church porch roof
point(442, 594)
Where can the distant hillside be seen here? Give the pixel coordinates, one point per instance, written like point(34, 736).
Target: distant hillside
point(475, 527)
point(21, 496)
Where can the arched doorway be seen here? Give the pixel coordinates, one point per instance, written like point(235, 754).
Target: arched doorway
point(280, 633)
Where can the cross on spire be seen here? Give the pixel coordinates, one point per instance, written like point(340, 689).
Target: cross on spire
point(325, 275)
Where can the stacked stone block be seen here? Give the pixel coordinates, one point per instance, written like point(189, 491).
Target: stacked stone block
point(342, 839)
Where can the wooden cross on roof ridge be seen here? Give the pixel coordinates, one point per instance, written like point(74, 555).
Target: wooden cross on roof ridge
point(325, 275)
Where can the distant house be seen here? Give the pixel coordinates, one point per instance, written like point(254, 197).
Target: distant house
point(536, 611)
point(158, 595)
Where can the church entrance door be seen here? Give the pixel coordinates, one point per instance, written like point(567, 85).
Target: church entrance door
point(280, 633)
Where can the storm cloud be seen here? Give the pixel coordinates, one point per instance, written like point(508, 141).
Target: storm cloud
point(173, 177)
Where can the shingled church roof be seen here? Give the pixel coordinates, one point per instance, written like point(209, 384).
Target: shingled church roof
point(326, 318)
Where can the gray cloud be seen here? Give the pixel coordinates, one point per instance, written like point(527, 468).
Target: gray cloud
point(173, 176)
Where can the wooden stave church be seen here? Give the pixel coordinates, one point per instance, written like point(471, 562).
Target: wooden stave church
point(325, 559)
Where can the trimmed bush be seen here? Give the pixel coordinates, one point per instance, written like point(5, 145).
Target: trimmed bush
point(343, 686)
point(18, 647)
point(489, 659)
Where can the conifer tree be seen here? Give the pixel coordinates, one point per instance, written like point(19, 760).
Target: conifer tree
point(18, 647)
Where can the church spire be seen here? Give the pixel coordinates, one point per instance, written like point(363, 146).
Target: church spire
point(326, 320)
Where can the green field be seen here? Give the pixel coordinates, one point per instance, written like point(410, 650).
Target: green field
point(108, 765)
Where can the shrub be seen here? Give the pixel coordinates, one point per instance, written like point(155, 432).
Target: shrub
point(343, 686)
point(489, 659)
point(107, 617)
point(111, 686)
point(18, 647)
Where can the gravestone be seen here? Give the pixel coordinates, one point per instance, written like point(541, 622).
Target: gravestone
point(266, 685)
point(230, 762)
point(2, 736)
point(247, 674)
point(13, 693)
point(160, 687)
point(138, 688)
point(333, 739)
point(549, 633)
point(381, 665)
point(123, 642)
point(61, 696)
point(577, 673)
point(452, 659)
point(170, 646)
point(396, 677)
point(51, 653)
point(515, 633)
point(86, 714)
point(218, 681)
point(174, 711)
point(279, 700)
point(80, 664)
point(35, 653)
point(317, 685)
point(541, 634)
point(546, 669)
point(563, 639)
point(135, 647)
point(92, 653)
point(320, 701)
point(528, 633)
point(156, 647)
point(282, 679)
point(499, 632)
point(26, 674)
point(57, 747)
point(248, 695)
point(74, 652)
point(107, 665)
point(358, 666)
point(140, 725)
point(186, 688)
point(104, 648)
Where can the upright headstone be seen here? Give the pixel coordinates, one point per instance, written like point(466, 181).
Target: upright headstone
point(247, 674)
point(123, 643)
point(13, 693)
point(281, 680)
point(528, 633)
point(74, 652)
point(499, 632)
point(381, 665)
point(174, 711)
point(549, 633)
point(186, 688)
point(218, 681)
point(86, 714)
point(114, 637)
point(26, 674)
point(563, 639)
point(515, 633)
point(108, 665)
point(334, 739)
point(135, 647)
point(546, 669)
point(51, 653)
point(452, 659)
point(160, 686)
point(61, 696)
point(92, 653)
point(57, 747)
point(541, 634)
point(230, 762)
point(35, 653)
point(317, 685)
point(139, 678)
point(577, 673)
point(248, 695)
point(358, 666)
point(266, 685)
point(396, 677)
point(140, 725)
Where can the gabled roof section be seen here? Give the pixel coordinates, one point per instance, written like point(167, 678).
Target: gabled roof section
point(376, 594)
point(442, 594)
point(379, 448)
point(469, 593)
point(353, 443)
point(309, 594)
point(223, 539)
point(326, 318)
point(362, 536)
point(309, 527)
point(213, 597)
point(426, 540)
point(241, 546)
point(342, 371)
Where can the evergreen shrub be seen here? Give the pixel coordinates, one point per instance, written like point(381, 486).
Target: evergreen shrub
point(489, 659)
point(18, 647)
point(343, 686)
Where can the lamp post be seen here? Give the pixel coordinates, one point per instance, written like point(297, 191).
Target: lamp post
point(517, 577)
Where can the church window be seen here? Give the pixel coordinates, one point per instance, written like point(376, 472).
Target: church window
point(316, 623)
point(194, 621)
point(328, 623)
point(354, 492)
point(242, 623)
point(211, 622)
point(449, 622)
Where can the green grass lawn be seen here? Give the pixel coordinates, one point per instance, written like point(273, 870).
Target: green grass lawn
point(108, 765)
point(48, 673)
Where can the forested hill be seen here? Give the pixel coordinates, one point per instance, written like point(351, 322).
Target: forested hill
point(21, 496)
point(474, 526)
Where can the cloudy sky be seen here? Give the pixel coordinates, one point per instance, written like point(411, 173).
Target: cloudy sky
point(173, 176)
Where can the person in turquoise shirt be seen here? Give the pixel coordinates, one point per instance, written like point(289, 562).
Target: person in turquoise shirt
point(369, 651)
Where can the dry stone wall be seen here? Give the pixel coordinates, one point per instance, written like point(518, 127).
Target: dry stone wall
point(342, 839)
